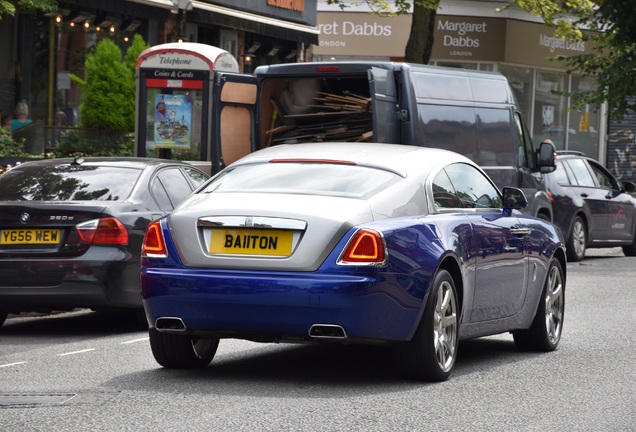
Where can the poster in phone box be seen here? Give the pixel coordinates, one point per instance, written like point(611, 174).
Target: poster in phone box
point(173, 120)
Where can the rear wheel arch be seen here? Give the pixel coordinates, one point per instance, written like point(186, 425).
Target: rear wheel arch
point(561, 257)
point(544, 214)
point(451, 265)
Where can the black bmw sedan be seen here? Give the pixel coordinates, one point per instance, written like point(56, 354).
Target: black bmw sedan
point(71, 229)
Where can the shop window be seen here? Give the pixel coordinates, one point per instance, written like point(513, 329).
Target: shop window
point(584, 123)
point(520, 80)
point(550, 109)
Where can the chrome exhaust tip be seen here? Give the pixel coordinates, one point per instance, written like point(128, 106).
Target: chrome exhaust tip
point(327, 331)
point(169, 324)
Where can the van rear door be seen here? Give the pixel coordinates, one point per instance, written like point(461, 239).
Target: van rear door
point(234, 117)
point(386, 127)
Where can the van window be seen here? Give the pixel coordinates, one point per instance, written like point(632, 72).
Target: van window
point(448, 127)
point(490, 90)
point(495, 139)
point(525, 147)
point(445, 87)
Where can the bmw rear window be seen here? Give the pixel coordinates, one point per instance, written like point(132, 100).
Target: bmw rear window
point(68, 183)
point(304, 178)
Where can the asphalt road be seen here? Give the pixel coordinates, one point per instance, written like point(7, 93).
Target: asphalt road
point(83, 371)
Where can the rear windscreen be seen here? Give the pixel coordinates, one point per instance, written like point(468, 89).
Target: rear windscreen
point(306, 178)
point(68, 183)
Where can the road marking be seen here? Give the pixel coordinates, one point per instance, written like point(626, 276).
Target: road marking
point(76, 352)
point(134, 341)
point(12, 364)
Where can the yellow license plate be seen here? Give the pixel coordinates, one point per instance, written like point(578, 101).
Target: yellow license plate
point(30, 236)
point(250, 242)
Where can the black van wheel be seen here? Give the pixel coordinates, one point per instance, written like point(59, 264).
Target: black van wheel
point(430, 355)
point(3, 316)
point(176, 351)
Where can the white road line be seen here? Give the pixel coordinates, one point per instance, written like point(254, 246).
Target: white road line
point(134, 341)
point(76, 352)
point(12, 364)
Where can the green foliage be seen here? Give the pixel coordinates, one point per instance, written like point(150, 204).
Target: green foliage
point(92, 142)
point(137, 46)
point(109, 88)
point(9, 7)
point(384, 7)
point(108, 97)
point(9, 146)
point(612, 25)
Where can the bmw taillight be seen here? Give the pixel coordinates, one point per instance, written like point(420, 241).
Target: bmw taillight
point(154, 245)
point(366, 247)
point(104, 231)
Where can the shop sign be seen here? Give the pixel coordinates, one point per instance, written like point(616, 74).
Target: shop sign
point(535, 44)
point(469, 38)
point(295, 5)
point(362, 34)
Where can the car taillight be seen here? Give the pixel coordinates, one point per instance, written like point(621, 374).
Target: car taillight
point(365, 247)
point(105, 231)
point(550, 196)
point(153, 241)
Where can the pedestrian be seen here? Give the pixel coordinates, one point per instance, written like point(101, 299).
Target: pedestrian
point(21, 116)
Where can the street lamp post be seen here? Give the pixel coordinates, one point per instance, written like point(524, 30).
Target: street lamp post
point(181, 6)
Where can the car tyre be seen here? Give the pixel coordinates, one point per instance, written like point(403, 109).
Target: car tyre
point(176, 351)
point(3, 317)
point(545, 332)
point(577, 240)
point(430, 355)
point(630, 250)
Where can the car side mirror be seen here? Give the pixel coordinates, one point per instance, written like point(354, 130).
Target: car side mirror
point(546, 157)
point(629, 186)
point(513, 199)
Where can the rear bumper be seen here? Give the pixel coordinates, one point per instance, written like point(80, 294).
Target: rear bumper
point(283, 305)
point(98, 280)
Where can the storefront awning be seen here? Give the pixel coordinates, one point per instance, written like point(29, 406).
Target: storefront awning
point(260, 24)
point(246, 21)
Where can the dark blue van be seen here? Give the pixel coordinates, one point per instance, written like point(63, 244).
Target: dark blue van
point(469, 112)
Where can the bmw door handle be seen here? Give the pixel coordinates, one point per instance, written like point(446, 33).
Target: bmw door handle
point(584, 195)
point(520, 231)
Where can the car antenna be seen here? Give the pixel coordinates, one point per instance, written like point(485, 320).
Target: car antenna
point(77, 160)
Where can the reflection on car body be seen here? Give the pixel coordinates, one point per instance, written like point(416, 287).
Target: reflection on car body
point(377, 255)
point(71, 229)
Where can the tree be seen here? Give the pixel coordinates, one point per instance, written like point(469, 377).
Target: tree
point(420, 43)
point(612, 30)
point(109, 87)
point(9, 7)
point(421, 38)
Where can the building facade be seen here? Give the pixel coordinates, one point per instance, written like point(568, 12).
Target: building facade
point(43, 51)
point(476, 35)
